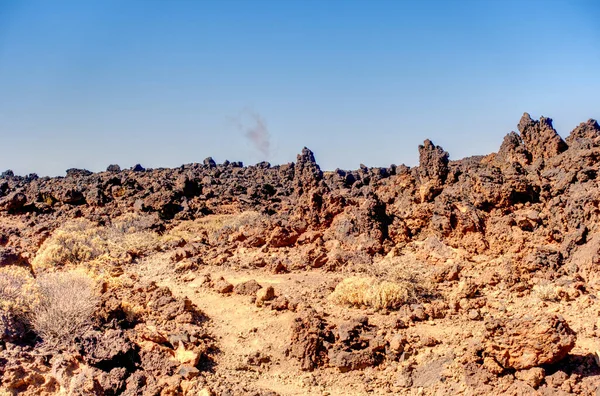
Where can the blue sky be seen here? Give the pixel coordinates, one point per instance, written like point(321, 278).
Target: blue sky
point(162, 83)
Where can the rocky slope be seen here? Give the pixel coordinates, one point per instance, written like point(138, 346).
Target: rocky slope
point(508, 241)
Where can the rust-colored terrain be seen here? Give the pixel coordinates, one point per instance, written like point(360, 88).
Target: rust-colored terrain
point(477, 276)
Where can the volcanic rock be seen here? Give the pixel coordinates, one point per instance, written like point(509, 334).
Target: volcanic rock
point(540, 137)
point(527, 341)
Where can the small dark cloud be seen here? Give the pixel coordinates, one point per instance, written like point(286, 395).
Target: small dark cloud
point(254, 128)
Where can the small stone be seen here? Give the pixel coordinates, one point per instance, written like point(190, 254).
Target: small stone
point(248, 288)
point(280, 303)
point(188, 372)
point(474, 314)
point(467, 289)
point(9, 256)
point(264, 294)
point(205, 392)
point(175, 339)
point(401, 324)
point(404, 379)
point(453, 273)
point(533, 377)
point(279, 268)
point(222, 286)
point(492, 366)
point(397, 344)
point(351, 360)
point(14, 201)
point(525, 341)
point(179, 254)
point(418, 312)
point(208, 161)
point(429, 341)
point(151, 333)
point(557, 379)
point(184, 356)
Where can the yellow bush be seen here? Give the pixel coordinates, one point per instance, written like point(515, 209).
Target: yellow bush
point(214, 226)
point(130, 243)
point(77, 241)
point(404, 270)
point(15, 288)
point(82, 241)
point(370, 292)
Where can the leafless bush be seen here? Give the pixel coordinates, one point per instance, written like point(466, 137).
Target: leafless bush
point(14, 302)
point(11, 285)
point(65, 307)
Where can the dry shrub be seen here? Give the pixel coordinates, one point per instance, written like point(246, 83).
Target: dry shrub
point(130, 234)
point(387, 283)
point(65, 307)
point(403, 270)
point(546, 292)
point(15, 300)
point(247, 218)
point(214, 226)
point(82, 241)
point(369, 292)
point(133, 222)
point(77, 241)
point(13, 283)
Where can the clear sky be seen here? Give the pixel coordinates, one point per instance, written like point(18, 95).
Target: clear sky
point(87, 83)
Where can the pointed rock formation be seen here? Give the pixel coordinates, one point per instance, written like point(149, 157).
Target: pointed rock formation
point(433, 170)
point(540, 137)
point(433, 162)
point(307, 172)
point(513, 150)
point(586, 135)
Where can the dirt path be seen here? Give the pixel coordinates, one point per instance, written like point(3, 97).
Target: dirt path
point(252, 340)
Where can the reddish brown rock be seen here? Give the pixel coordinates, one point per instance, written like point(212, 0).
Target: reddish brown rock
point(309, 334)
point(513, 150)
point(529, 340)
point(13, 202)
point(586, 135)
point(9, 256)
point(282, 237)
point(248, 288)
point(222, 286)
point(264, 294)
point(433, 170)
point(533, 376)
point(540, 137)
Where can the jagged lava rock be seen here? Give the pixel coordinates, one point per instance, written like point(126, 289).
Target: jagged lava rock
point(540, 137)
point(529, 340)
